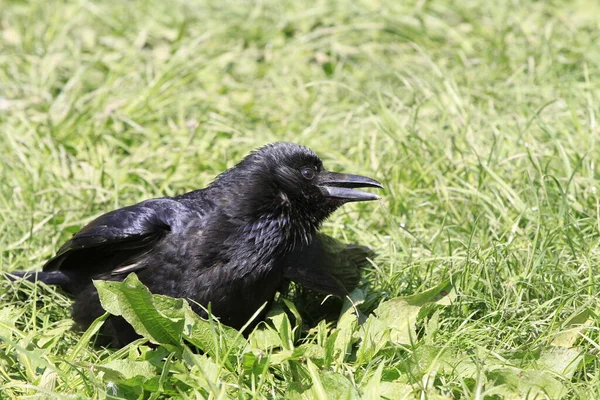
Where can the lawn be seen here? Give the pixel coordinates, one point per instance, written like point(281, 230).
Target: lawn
point(479, 117)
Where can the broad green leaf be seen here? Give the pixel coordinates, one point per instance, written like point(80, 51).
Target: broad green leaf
point(432, 327)
point(166, 320)
point(347, 324)
point(571, 329)
point(560, 360)
point(216, 340)
point(317, 388)
point(203, 373)
point(427, 359)
point(283, 355)
point(396, 391)
point(372, 389)
point(313, 351)
point(282, 324)
point(130, 373)
point(331, 349)
point(132, 300)
point(397, 319)
point(129, 369)
point(442, 294)
point(298, 318)
point(330, 385)
point(256, 364)
point(8, 316)
point(338, 387)
point(509, 381)
point(295, 392)
point(394, 320)
point(48, 381)
point(265, 338)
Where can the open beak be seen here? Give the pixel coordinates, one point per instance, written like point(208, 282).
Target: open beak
point(343, 186)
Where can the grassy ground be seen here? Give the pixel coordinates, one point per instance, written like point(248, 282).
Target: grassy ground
point(479, 117)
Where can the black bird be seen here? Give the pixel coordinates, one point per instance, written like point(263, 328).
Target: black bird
point(232, 245)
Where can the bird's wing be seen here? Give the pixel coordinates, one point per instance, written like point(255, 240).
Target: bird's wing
point(327, 265)
point(115, 241)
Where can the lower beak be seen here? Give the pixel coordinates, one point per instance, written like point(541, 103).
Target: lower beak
point(343, 186)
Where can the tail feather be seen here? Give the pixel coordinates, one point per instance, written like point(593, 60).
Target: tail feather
point(58, 278)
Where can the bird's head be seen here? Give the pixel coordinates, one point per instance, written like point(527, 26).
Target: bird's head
point(289, 178)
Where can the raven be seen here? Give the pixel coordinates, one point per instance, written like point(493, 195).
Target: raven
point(232, 245)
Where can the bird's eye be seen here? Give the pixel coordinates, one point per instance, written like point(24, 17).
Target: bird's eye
point(308, 173)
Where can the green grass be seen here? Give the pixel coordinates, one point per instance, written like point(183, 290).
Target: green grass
point(479, 117)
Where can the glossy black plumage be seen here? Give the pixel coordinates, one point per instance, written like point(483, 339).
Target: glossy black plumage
point(232, 244)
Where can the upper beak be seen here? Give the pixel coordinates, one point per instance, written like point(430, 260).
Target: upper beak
point(342, 186)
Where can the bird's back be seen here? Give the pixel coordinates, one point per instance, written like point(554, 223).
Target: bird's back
point(120, 241)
